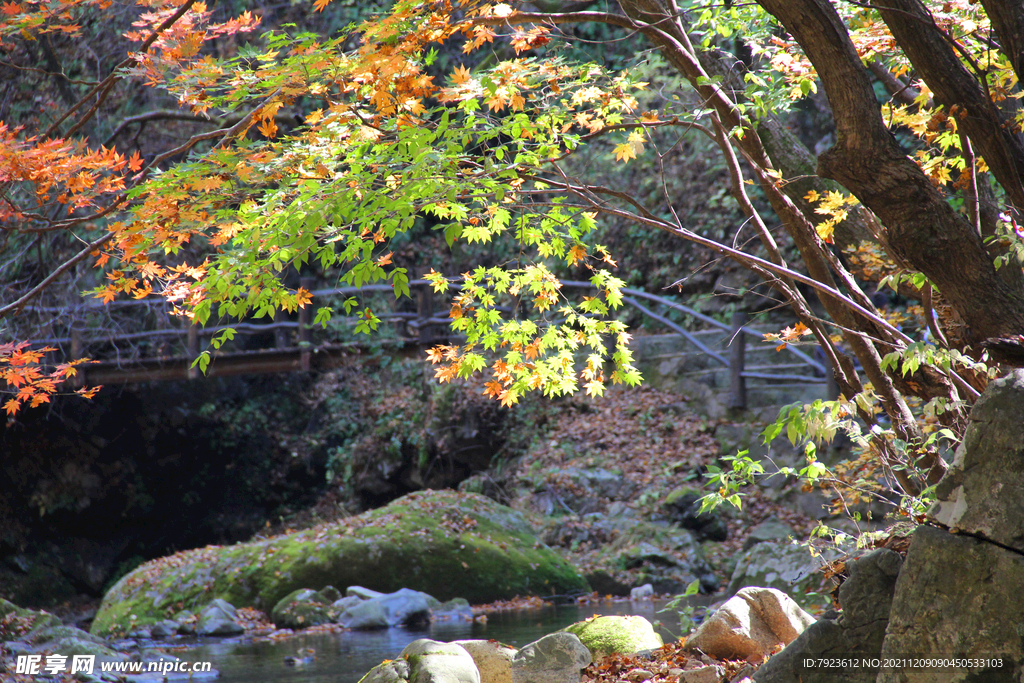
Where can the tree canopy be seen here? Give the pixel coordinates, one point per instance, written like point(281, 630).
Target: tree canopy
point(319, 149)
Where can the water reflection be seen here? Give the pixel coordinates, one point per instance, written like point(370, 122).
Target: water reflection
point(346, 657)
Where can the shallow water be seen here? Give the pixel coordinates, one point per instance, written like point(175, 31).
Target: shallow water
point(346, 657)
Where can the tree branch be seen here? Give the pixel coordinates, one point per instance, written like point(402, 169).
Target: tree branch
point(15, 306)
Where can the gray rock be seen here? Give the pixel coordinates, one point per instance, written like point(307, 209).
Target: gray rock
point(754, 623)
point(76, 644)
point(642, 592)
point(866, 597)
point(603, 483)
point(186, 622)
point(367, 615)
point(647, 552)
point(434, 662)
point(493, 659)
point(362, 593)
point(983, 491)
point(456, 609)
point(302, 608)
point(219, 627)
point(388, 672)
point(406, 607)
point(788, 567)
point(218, 619)
point(53, 633)
point(957, 596)
point(403, 607)
point(340, 606)
point(165, 628)
point(556, 658)
point(183, 616)
point(770, 529)
point(329, 594)
point(27, 620)
point(219, 608)
point(704, 674)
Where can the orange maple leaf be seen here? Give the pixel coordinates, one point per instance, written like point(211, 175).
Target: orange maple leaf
point(576, 254)
point(493, 389)
point(319, 5)
point(460, 75)
point(135, 162)
point(267, 128)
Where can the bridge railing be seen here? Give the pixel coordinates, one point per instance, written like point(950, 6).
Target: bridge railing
point(295, 337)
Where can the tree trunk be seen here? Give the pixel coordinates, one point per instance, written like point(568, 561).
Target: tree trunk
point(922, 228)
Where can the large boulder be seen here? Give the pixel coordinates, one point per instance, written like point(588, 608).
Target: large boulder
point(615, 635)
point(443, 543)
point(983, 491)
point(754, 623)
point(855, 634)
point(555, 658)
point(957, 596)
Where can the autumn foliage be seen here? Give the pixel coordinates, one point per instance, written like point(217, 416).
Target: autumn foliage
point(320, 151)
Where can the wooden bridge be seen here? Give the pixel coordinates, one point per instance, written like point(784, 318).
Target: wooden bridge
point(294, 345)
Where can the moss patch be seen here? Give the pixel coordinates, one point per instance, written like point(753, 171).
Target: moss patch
point(610, 635)
point(444, 543)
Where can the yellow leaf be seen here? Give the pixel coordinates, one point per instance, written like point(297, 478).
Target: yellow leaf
point(624, 152)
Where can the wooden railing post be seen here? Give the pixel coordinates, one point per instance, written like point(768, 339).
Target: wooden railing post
point(281, 340)
point(306, 326)
point(425, 312)
point(192, 347)
point(737, 361)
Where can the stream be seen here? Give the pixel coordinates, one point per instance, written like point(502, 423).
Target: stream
point(346, 657)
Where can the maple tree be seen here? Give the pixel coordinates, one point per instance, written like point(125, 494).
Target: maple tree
point(925, 190)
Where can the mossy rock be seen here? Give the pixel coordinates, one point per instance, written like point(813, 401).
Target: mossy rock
point(300, 609)
point(16, 622)
point(80, 646)
point(604, 636)
point(443, 543)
